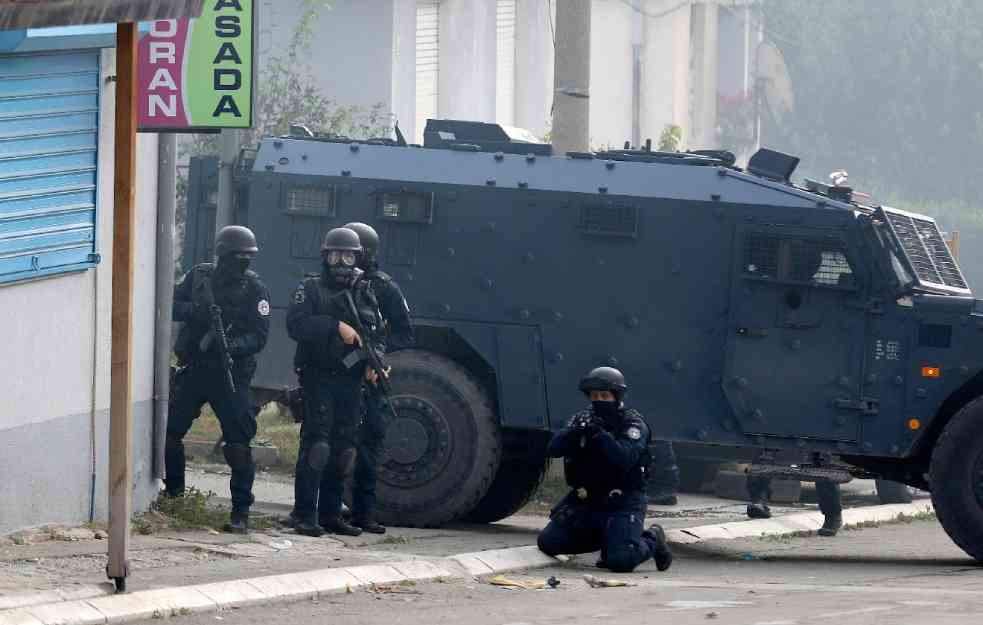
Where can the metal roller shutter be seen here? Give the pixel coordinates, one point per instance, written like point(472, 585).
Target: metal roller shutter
point(49, 117)
point(505, 65)
point(427, 62)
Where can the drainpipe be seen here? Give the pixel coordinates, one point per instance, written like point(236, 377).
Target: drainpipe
point(166, 199)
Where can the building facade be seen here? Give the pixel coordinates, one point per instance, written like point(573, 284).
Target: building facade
point(654, 63)
point(57, 100)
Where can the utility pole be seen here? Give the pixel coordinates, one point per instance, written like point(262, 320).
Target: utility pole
point(224, 213)
point(571, 103)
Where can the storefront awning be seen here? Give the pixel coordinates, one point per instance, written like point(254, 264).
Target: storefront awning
point(18, 14)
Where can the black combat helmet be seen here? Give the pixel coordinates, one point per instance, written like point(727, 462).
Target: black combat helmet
point(341, 239)
point(235, 240)
point(604, 379)
point(369, 239)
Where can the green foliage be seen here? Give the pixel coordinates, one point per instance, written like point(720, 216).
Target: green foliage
point(671, 137)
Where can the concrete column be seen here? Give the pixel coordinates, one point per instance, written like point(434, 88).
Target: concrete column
point(665, 70)
point(705, 43)
point(571, 104)
point(467, 60)
point(534, 65)
point(403, 90)
point(611, 73)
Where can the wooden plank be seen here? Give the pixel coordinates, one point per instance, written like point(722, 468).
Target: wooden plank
point(121, 383)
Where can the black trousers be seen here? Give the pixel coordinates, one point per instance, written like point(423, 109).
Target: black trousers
point(827, 492)
point(617, 530)
point(193, 387)
point(333, 408)
point(371, 436)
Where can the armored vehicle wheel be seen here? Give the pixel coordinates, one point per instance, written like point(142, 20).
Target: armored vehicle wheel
point(893, 492)
point(957, 478)
point(519, 476)
point(444, 447)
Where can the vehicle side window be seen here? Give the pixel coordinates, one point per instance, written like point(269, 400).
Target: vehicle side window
point(797, 259)
point(310, 200)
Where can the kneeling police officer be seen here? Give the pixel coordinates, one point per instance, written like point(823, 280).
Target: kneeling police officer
point(605, 461)
point(226, 313)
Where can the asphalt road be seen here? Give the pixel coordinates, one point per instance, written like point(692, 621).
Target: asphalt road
point(897, 574)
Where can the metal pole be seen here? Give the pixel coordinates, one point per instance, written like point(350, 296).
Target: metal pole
point(224, 213)
point(571, 104)
point(121, 381)
point(166, 199)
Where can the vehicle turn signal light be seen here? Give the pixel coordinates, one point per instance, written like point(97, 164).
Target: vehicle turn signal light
point(914, 424)
point(931, 372)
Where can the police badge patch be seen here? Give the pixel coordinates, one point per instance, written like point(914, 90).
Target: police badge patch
point(299, 296)
point(634, 433)
point(263, 307)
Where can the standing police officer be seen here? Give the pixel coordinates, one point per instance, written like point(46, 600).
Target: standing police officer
point(399, 335)
point(206, 375)
point(827, 493)
point(605, 460)
point(331, 377)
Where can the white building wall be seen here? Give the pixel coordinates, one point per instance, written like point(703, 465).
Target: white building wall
point(534, 66)
point(610, 74)
point(665, 80)
point(54, 377)
point(467, 59)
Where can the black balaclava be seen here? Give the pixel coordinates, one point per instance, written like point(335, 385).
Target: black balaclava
point(232, 266)
point(609, 412)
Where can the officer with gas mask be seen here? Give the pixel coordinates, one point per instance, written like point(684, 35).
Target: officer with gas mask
point(331, 376)
point(226, 313)
point(397, 334)
point(605, 461)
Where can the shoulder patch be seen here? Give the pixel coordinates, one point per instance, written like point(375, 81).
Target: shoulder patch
point(263, 307)
point(300, 295)
point(634, 433)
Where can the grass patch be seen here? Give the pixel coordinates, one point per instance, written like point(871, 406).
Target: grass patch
point(273, 427)
point(901, 518)
point(395, 540)
point(192, 511)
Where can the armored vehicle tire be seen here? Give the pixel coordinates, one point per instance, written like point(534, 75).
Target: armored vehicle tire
point(444, 447)
point(956, 475)
point(518, 478)
point(893, 492)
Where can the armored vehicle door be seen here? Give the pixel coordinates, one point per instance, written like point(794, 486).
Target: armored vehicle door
point(796, 337)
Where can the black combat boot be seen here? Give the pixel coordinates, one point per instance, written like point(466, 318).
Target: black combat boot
point(368, 525)
point(238, 523)
point(339, 526)
point(304, 528)
point(662, 555)
point(831, 525)
point(758, 511)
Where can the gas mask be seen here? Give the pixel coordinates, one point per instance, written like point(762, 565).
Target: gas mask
point(339, 267)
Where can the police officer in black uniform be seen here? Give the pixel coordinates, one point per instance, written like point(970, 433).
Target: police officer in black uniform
point(605, 460)
point(398, 335)
point(331, 376)
point(202, 376)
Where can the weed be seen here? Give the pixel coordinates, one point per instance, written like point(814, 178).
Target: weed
point(395, 540)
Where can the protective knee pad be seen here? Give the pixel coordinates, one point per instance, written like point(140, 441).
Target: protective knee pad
point(238, 455)
point(345, 462)
point(318, 455)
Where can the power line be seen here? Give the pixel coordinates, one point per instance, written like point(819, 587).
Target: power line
point(655, 16)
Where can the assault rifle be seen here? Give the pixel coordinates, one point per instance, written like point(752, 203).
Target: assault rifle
point(369, 353)
point(217, 334)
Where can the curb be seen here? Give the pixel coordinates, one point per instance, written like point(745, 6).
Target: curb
point(73, 609)
point(793, 523)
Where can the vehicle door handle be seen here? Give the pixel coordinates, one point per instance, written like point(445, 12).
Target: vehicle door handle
point(753, 333)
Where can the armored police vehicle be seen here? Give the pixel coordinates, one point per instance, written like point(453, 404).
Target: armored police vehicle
point(745, 311)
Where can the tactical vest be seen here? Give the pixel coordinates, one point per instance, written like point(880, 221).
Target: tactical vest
point(586, 469)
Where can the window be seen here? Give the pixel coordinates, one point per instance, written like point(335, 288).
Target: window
point(815, 261)
point(49, 108)
point(406, 206)
point(505, 63)
point(312, 200)
point(427, 63)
